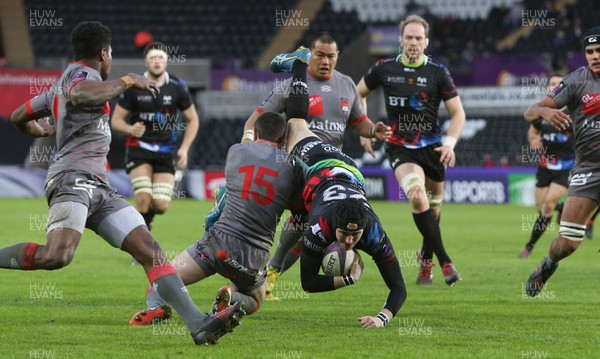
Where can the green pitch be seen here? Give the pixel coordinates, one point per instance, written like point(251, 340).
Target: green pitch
point(82, 311)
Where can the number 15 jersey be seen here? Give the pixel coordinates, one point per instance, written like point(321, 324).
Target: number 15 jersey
point(262, 181)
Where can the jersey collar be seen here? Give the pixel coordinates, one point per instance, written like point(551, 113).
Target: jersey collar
point(423, 63)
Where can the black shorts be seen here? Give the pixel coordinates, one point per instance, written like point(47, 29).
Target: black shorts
point(160, 162)
point(545, 176)
point(425, 157)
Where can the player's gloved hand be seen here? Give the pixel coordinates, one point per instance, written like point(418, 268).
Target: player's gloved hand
point(367, 145)
point(183, 158)
point(138, 129)
point(556, 118)
point(142, 83)
point(357, 267)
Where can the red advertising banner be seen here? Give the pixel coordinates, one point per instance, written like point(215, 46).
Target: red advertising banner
point(18, 86)
point(212, 181)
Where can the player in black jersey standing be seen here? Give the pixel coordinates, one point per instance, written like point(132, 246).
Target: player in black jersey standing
point(152, 126)
point(413, 87)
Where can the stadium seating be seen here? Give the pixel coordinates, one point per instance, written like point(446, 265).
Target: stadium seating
point(213, 142)
point(227, 29)
point(500, 136)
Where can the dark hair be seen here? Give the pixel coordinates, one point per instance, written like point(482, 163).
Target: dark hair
point(88, 39)
point(555, 74)
point(154, 45)
point(349, 214)
point(270, 126)
point(324, 37)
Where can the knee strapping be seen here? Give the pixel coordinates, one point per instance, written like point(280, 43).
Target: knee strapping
point(411, 181)
point(162, 191)
point(436, 201)
point(142, 184)
point(572, 231)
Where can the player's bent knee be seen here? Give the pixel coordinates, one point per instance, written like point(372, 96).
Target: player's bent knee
point(572, 231)
point(414, 187)
point(160, 206)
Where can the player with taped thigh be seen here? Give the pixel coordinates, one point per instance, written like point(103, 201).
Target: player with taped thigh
point(262, 180)
point(79, 195)
point(152, 126)
point(413, 87)
point(557, 155)
point(335, 199)
point(579, 91)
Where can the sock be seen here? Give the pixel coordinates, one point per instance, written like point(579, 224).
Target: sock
point(541, 223)
point(250, 304)
point(297, 103)
point(148, 218)
point(18, 256)
point(169, 286)
point(291, 258)
point(153, 299)
point(430, 229)
point(559, 206)
point(426, 252)
point(287, 240)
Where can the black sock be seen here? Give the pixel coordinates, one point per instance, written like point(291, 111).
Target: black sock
point(559, 206)
point(541, 223)
point(430, 229)
point(297, 103)
point(426, 251)
point(148, 218)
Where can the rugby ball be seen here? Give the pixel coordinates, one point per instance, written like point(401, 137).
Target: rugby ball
point(336, 260)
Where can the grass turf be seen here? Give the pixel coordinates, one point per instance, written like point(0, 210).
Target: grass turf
point(82, 311)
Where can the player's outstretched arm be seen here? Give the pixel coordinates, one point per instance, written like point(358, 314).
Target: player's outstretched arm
point(548, 110)
point(95, 93)
point(248, 136)
point(392, 276)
